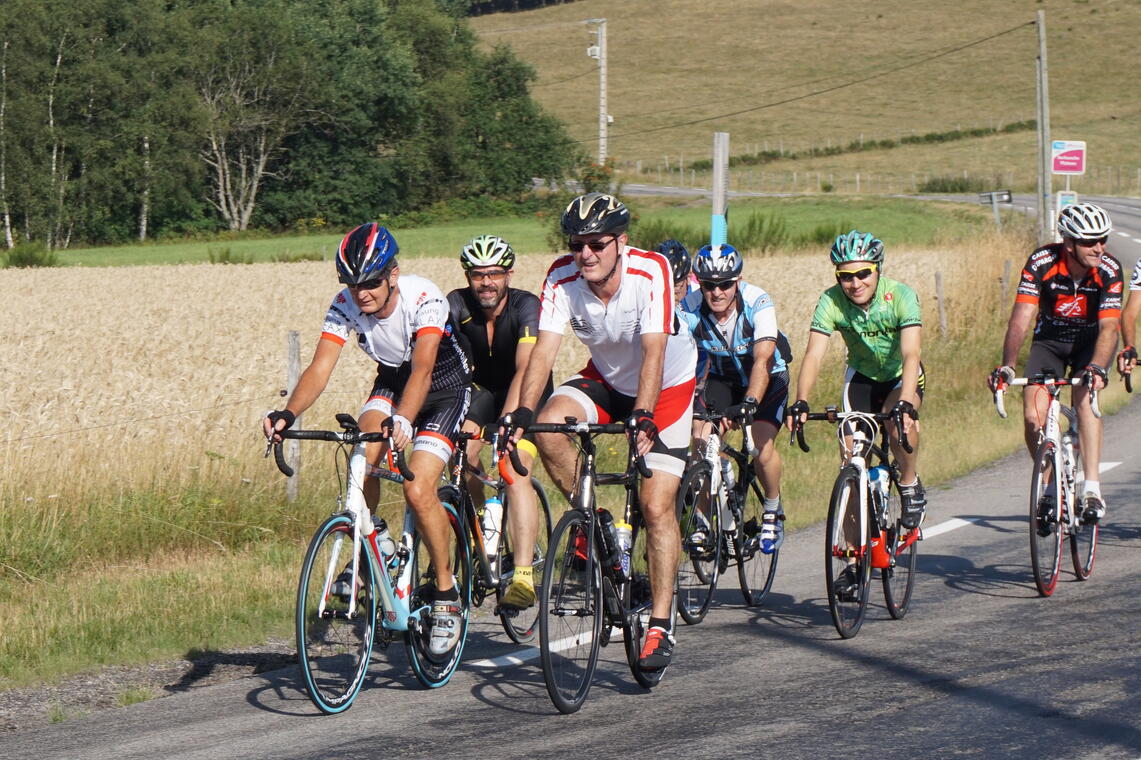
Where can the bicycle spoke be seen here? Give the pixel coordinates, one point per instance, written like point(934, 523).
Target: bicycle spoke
point(846, 561)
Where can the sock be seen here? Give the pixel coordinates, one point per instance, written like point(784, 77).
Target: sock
point(451, 595)
point(662, 623)
point(1094, 487)
point(912, 483)
point(772, 505)
point(525, 575)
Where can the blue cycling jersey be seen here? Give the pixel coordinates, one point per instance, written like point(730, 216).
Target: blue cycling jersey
point(726, 350)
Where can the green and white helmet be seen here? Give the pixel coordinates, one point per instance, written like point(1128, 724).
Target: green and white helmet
point(856, 246)
point(487, 251)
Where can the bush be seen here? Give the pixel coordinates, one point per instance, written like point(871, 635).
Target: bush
point(287, 257)
point(823, 234)
point(227, 256)
point(953, 185)
point(31, 255)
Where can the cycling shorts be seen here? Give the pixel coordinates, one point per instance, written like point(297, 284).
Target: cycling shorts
point(673, 415)
point(862, 394)
point(484, 411)
point(721, 393)
point(438, 421)
point(1056, 356)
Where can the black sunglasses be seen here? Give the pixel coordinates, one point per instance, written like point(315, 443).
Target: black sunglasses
point(709, 287)
point(370, 285)
point(1092, 241)
point(597, 246)
point(861, 274)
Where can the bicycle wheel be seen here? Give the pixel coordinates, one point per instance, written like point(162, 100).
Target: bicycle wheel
point(899, 579)
point(847, 564)
point(700, 525)
point(1045, 520)
point(521, 626)
point(637, 598)
point(1083, 539)
point(755, 569)
point(430, 669)
point(334, 632)
point(570, 612)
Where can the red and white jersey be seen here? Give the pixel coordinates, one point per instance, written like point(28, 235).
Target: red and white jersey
point(612, 332)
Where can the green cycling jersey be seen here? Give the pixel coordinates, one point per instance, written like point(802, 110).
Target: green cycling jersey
point(871, 334)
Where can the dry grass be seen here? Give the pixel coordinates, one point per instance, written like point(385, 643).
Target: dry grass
point(675, 61)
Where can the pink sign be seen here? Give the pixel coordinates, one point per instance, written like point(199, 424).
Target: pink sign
point(1068, 157)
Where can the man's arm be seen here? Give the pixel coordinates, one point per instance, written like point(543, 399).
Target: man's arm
point(311, 383)
point(540, 361)
point(1129, 330)
point(419, 380)
point(762, 362)
point(1022, 316)
point(910, 341)
point(1105, 347)
point(810, 365)
point(650, 380)
point(523, 351)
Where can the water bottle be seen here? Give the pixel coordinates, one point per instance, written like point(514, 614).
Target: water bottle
point(492, 520)
point(880, 479)
point(624, 534)
point(384, 541)
point(730, 482)
point(609, 538)
point(727, 476)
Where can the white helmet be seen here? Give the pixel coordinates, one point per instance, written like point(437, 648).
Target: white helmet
point(1083, 221)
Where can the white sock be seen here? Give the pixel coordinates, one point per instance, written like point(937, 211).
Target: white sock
point(771, 505)
point(1094, 487)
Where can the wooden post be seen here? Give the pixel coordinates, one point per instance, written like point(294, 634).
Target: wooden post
point(292, 446)
point(942, 304)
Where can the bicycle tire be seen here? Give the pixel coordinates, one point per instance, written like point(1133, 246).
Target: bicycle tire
point(334, 649)
point(1083, 539)
point(432, 670)
point(700, 559)
point(522, 626)
point(1045, 550)
point(637, 600)
point(570, 612)
point(847, 612)
point(899, 579)
point(755, 569)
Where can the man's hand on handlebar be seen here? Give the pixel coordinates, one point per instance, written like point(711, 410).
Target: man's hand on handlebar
point(796, 415)
point(1000, 378)
point(399, 429)
point(1126, 360)
point(275, 422)
point(641, 424)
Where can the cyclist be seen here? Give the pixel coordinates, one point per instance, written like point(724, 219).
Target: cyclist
point(681, 266)
point(422, 382)
point(1071, 292)
point(619, 303)
point(880, 322)
point(500, 324)
point(743, 367)
point(1127, 357)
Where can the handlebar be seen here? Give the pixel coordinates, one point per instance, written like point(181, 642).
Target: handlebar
point(351, 437)
point(834, 415)
point(584, 430)
point(1046, 382)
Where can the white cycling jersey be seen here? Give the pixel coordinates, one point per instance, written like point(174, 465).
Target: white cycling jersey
point(1135, 278)
point(612, 332)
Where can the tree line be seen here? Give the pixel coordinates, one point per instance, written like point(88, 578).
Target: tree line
point(160, 118)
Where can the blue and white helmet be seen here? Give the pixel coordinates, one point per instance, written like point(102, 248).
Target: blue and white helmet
point(365, 254)
point(718, 263)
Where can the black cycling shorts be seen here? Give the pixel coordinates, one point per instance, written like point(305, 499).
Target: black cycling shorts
point(1055, 356)
point(862, 394)
point(721, 393)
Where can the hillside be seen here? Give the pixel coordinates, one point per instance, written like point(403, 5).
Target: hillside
point(677, 61)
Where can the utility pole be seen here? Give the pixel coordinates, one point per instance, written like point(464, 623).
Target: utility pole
point(598, 52)
point(1045, 190)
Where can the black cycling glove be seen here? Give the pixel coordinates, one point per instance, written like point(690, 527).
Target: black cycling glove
point(642, 421)
point(284, 414)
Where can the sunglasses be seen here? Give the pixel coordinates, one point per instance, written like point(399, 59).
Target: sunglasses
point(847, 275)
point(370, 285)
point(709, 287)
point(1092, 242)
point(497, 274)
point(597, 246)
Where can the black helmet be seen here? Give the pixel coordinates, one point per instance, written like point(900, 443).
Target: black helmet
point(595, 213)
point(678, 257)
point(365, 254)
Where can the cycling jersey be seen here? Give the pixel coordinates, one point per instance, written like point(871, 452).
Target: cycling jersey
point(643, 305)
point(1068, 311)
point(872, 334)
point(518, 323)
point(1135, 279)
point(420, 309)
point(726, 349)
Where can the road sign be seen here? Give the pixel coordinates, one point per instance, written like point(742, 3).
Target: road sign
point(1065, 198)
point(1068, 157)
point(997, 196)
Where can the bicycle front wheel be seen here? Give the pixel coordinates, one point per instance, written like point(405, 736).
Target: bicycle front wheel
point(700, 523)
point(1045, 519)
point(434, 670)
point(570, 612)
point(335, 625)
point(1083, 539)
point(755, 569)
point(899, 579)
point(847, 560)
point(521, 626)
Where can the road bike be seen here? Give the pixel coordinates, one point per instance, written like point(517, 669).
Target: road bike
point(492, 570)
point(355, 574)
point(721, 524)
point(1056, 487)
point(864, 531)
point(595, 579)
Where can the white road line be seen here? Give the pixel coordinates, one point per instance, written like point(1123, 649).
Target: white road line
point(1123, 234)
point(946, 527)
point(1107, 466)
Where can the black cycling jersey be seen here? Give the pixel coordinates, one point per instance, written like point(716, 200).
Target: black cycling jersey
point(517, 323)
point(1069, 311)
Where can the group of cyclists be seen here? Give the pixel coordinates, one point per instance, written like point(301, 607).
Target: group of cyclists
point(665, 331)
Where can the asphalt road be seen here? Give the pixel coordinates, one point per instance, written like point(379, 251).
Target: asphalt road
point(980, 667)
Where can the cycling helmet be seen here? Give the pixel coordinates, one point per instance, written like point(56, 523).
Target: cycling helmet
point(487, 251)
point(678, 257)
point(365, 254)
point(1083, 221)
point(857, 246)
point(718, 263)
point(595, 213)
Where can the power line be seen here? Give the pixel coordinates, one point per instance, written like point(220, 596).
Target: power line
point(537, 26)
point(824, 91)
point(591, 70)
